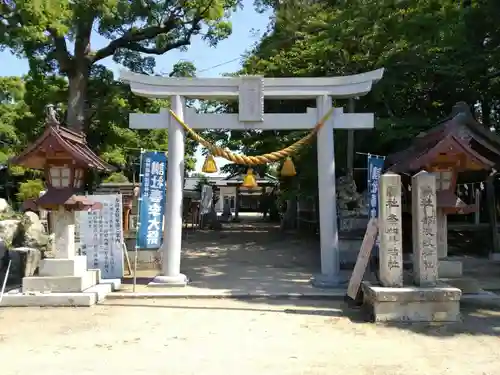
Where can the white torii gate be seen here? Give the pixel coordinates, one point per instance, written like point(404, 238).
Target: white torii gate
point(250, 92)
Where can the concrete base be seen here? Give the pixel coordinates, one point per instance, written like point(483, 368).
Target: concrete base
point(88, 297)
point(450, 268)
point(412, 304)
point(63, 267)
point(495, 257)
point(169, 281)
point(61, 284)
point(327, 281)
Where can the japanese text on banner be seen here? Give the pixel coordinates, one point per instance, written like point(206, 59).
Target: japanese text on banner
point(375, 166)
point(153, 186)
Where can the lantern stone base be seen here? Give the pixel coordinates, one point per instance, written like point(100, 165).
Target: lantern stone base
point(449, 268)
point(62, 276)
point(61, 284)
point(89, 297)
point(412, 304)
point(49, 297)
point(76, 266)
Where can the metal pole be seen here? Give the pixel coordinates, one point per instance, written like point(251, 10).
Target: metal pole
point(5, 281)
point(138, 224)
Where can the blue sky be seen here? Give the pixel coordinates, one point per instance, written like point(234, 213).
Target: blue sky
point(248, 26)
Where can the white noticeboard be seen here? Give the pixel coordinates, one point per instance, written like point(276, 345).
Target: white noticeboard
point(101, 236)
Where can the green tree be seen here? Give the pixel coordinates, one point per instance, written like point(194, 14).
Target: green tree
point(202, 180)
point(13, 109)
point(56, 36)
point(117, 177)
point(435, 53)
point(30, 190)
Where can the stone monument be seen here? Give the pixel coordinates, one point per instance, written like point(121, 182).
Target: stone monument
point(391, 259)
point(425, 255)
point(427, 300)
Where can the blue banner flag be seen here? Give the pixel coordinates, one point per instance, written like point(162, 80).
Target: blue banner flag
point(152, 199)
point(375, 167)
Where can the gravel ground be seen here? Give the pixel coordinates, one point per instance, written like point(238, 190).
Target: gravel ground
point(211, 337)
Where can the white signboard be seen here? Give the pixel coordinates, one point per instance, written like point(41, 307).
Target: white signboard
point(101, 236)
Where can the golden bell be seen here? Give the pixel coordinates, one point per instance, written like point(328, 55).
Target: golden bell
point(209, 165)
point(249, 180)
point(288, 168)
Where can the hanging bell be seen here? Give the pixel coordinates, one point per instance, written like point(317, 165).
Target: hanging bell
point(249, 180)
point(209, 165)
point(288, 168)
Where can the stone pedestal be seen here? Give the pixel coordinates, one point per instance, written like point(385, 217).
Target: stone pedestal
point(390, 231)
point(425, 258)
point(65, 279)
point(412, 304)
point(64, 233)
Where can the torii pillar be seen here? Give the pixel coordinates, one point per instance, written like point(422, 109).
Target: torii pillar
point(250, 90)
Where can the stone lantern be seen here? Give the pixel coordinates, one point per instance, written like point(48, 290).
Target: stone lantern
point(457, 145)
point(64, 157)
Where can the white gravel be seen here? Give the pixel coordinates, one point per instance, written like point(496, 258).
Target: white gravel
point(208, 337)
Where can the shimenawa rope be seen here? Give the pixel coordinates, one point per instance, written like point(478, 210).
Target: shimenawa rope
point(258, 159)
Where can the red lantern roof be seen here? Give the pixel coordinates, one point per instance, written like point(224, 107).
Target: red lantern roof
point(458, 137)
point(55, 140)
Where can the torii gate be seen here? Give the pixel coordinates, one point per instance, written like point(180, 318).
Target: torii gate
point(250, 91)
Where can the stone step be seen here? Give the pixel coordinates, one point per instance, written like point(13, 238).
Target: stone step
point(89, 297)
point(115, 283)
point(100, 291)
point(49, 299)
point(60, 284)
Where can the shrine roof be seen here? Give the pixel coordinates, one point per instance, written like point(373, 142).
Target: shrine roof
point(74, 143)
point(237, 178)
point(459, 132)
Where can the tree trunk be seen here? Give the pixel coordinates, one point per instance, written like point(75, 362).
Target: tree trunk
point(78, 84)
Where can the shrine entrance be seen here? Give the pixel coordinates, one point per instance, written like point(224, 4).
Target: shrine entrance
point(250, 92)
point(234, 199)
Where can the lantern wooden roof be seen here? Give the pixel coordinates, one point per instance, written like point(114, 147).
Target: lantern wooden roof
point(57, 141)
point(459, 142)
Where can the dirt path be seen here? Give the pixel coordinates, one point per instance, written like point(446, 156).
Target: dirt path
point(211, 337)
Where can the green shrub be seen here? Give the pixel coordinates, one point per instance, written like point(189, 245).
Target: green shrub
point(30, 190)
point(117, 177)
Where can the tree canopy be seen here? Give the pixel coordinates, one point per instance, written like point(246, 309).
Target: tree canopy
point(435, 53)
point(56, 36)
